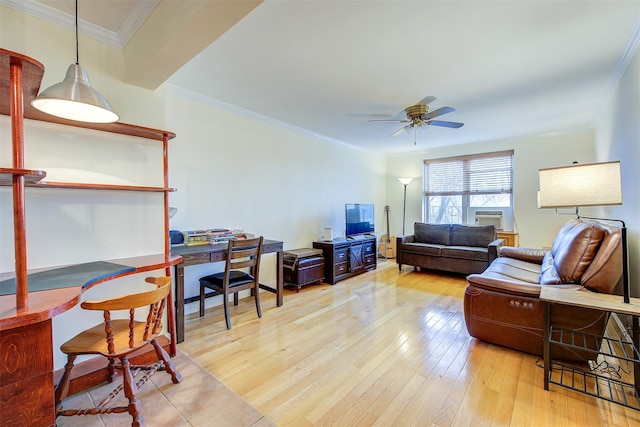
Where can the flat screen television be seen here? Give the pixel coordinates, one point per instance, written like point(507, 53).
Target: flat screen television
point(359, 219)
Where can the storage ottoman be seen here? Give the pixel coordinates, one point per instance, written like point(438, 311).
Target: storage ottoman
point(302, 267)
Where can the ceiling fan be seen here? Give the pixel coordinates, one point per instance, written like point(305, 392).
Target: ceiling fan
point(418, 116)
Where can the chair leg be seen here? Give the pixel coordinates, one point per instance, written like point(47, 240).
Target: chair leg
point(130, 390)
point(235, 298)
point(256, 293)
point(226, 310)
point(62, 389)
point(111, 371)
point(168, 364)
point(201, 300)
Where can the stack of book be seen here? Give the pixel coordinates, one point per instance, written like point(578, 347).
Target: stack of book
point(195, 237)
point(217, 235)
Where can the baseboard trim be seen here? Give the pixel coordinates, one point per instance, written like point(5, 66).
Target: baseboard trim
point(93, 372)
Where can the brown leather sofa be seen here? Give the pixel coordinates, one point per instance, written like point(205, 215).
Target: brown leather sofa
point(502, 305)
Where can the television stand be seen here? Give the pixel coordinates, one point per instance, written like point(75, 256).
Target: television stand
point(347, 258)
point(358, 237)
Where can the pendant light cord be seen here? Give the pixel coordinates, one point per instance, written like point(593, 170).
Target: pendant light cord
point(77, 54)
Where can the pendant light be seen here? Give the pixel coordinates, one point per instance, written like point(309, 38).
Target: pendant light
point(74, 98)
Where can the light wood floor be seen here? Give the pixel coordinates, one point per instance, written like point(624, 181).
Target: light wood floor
point(384, 348)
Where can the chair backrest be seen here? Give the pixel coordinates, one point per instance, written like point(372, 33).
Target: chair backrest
point(155, 299)
point(244, 253)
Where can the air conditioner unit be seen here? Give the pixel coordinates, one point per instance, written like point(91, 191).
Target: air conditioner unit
point(490, 217)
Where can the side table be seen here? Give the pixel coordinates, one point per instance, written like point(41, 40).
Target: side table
point(510, 238)
point(583, 380)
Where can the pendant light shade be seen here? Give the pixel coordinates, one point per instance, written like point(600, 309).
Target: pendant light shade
point(74, 98)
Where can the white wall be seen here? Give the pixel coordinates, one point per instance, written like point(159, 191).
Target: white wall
point(230, 171)
point(537, 227)
point(618, 138)
point(233, 171)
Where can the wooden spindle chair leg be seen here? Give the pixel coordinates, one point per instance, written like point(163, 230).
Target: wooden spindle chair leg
point(168, 364)
point(130, 390)
point(62, 389)
point(111, 371)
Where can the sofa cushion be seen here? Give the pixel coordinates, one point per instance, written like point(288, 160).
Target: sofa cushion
point(573, 251)
point(422, 248)
point(466, 252)
point(472, 235)
point(438, 234)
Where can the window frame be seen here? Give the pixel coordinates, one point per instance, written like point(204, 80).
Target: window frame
point(466, 192)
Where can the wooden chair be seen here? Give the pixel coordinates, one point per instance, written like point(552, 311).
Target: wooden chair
point(116, 339)
point(243, 253)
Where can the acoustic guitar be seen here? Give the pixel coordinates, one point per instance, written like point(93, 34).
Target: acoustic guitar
point(387, 247)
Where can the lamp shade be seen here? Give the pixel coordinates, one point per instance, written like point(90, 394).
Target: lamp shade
point(75, 99)
point(405, 181)
point(594, 184)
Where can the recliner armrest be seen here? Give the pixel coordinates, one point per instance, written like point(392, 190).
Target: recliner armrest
point(511, 287)
point(524, 254)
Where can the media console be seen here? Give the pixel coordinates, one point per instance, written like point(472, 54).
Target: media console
point(347, 258)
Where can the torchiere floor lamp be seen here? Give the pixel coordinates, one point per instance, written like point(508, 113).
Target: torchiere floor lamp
point(405, 182)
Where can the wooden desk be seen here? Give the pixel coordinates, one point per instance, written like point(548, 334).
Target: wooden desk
point(202, 254)
point(26, 336)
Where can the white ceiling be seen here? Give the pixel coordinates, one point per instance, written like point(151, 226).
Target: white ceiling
point(511, 68)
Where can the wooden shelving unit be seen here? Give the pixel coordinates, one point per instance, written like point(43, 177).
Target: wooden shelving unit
point(26, 381)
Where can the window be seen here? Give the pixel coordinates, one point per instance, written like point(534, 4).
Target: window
point(453, 185)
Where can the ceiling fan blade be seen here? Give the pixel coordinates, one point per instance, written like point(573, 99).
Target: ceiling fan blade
point(439, 112)
point(399, 131)
point(454, 125)
point(389, 120)
point(426, 100)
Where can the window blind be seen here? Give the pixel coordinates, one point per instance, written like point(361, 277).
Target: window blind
point(489, 173)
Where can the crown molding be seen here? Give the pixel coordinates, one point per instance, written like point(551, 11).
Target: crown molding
point(623, 64)
point(241, 111)
point(136, 18)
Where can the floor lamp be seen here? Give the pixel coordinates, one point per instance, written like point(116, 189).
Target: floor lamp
point(594, 184)
point(405, 182)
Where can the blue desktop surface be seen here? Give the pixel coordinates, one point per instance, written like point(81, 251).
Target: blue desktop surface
point(65, 277)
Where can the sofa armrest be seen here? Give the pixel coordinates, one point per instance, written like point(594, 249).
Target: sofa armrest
point(524, 254)
point(494, 249)
point(399, 252)
point(409, 238)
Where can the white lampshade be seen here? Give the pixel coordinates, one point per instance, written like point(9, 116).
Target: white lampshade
point(405, 181)
point(594, 184)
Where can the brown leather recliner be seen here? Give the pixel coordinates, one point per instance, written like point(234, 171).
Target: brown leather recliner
point(502, 305)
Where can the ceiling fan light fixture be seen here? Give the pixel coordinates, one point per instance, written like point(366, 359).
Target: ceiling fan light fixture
point(74, 98)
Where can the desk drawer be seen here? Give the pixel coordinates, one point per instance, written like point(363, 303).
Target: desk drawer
point(199, 258)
